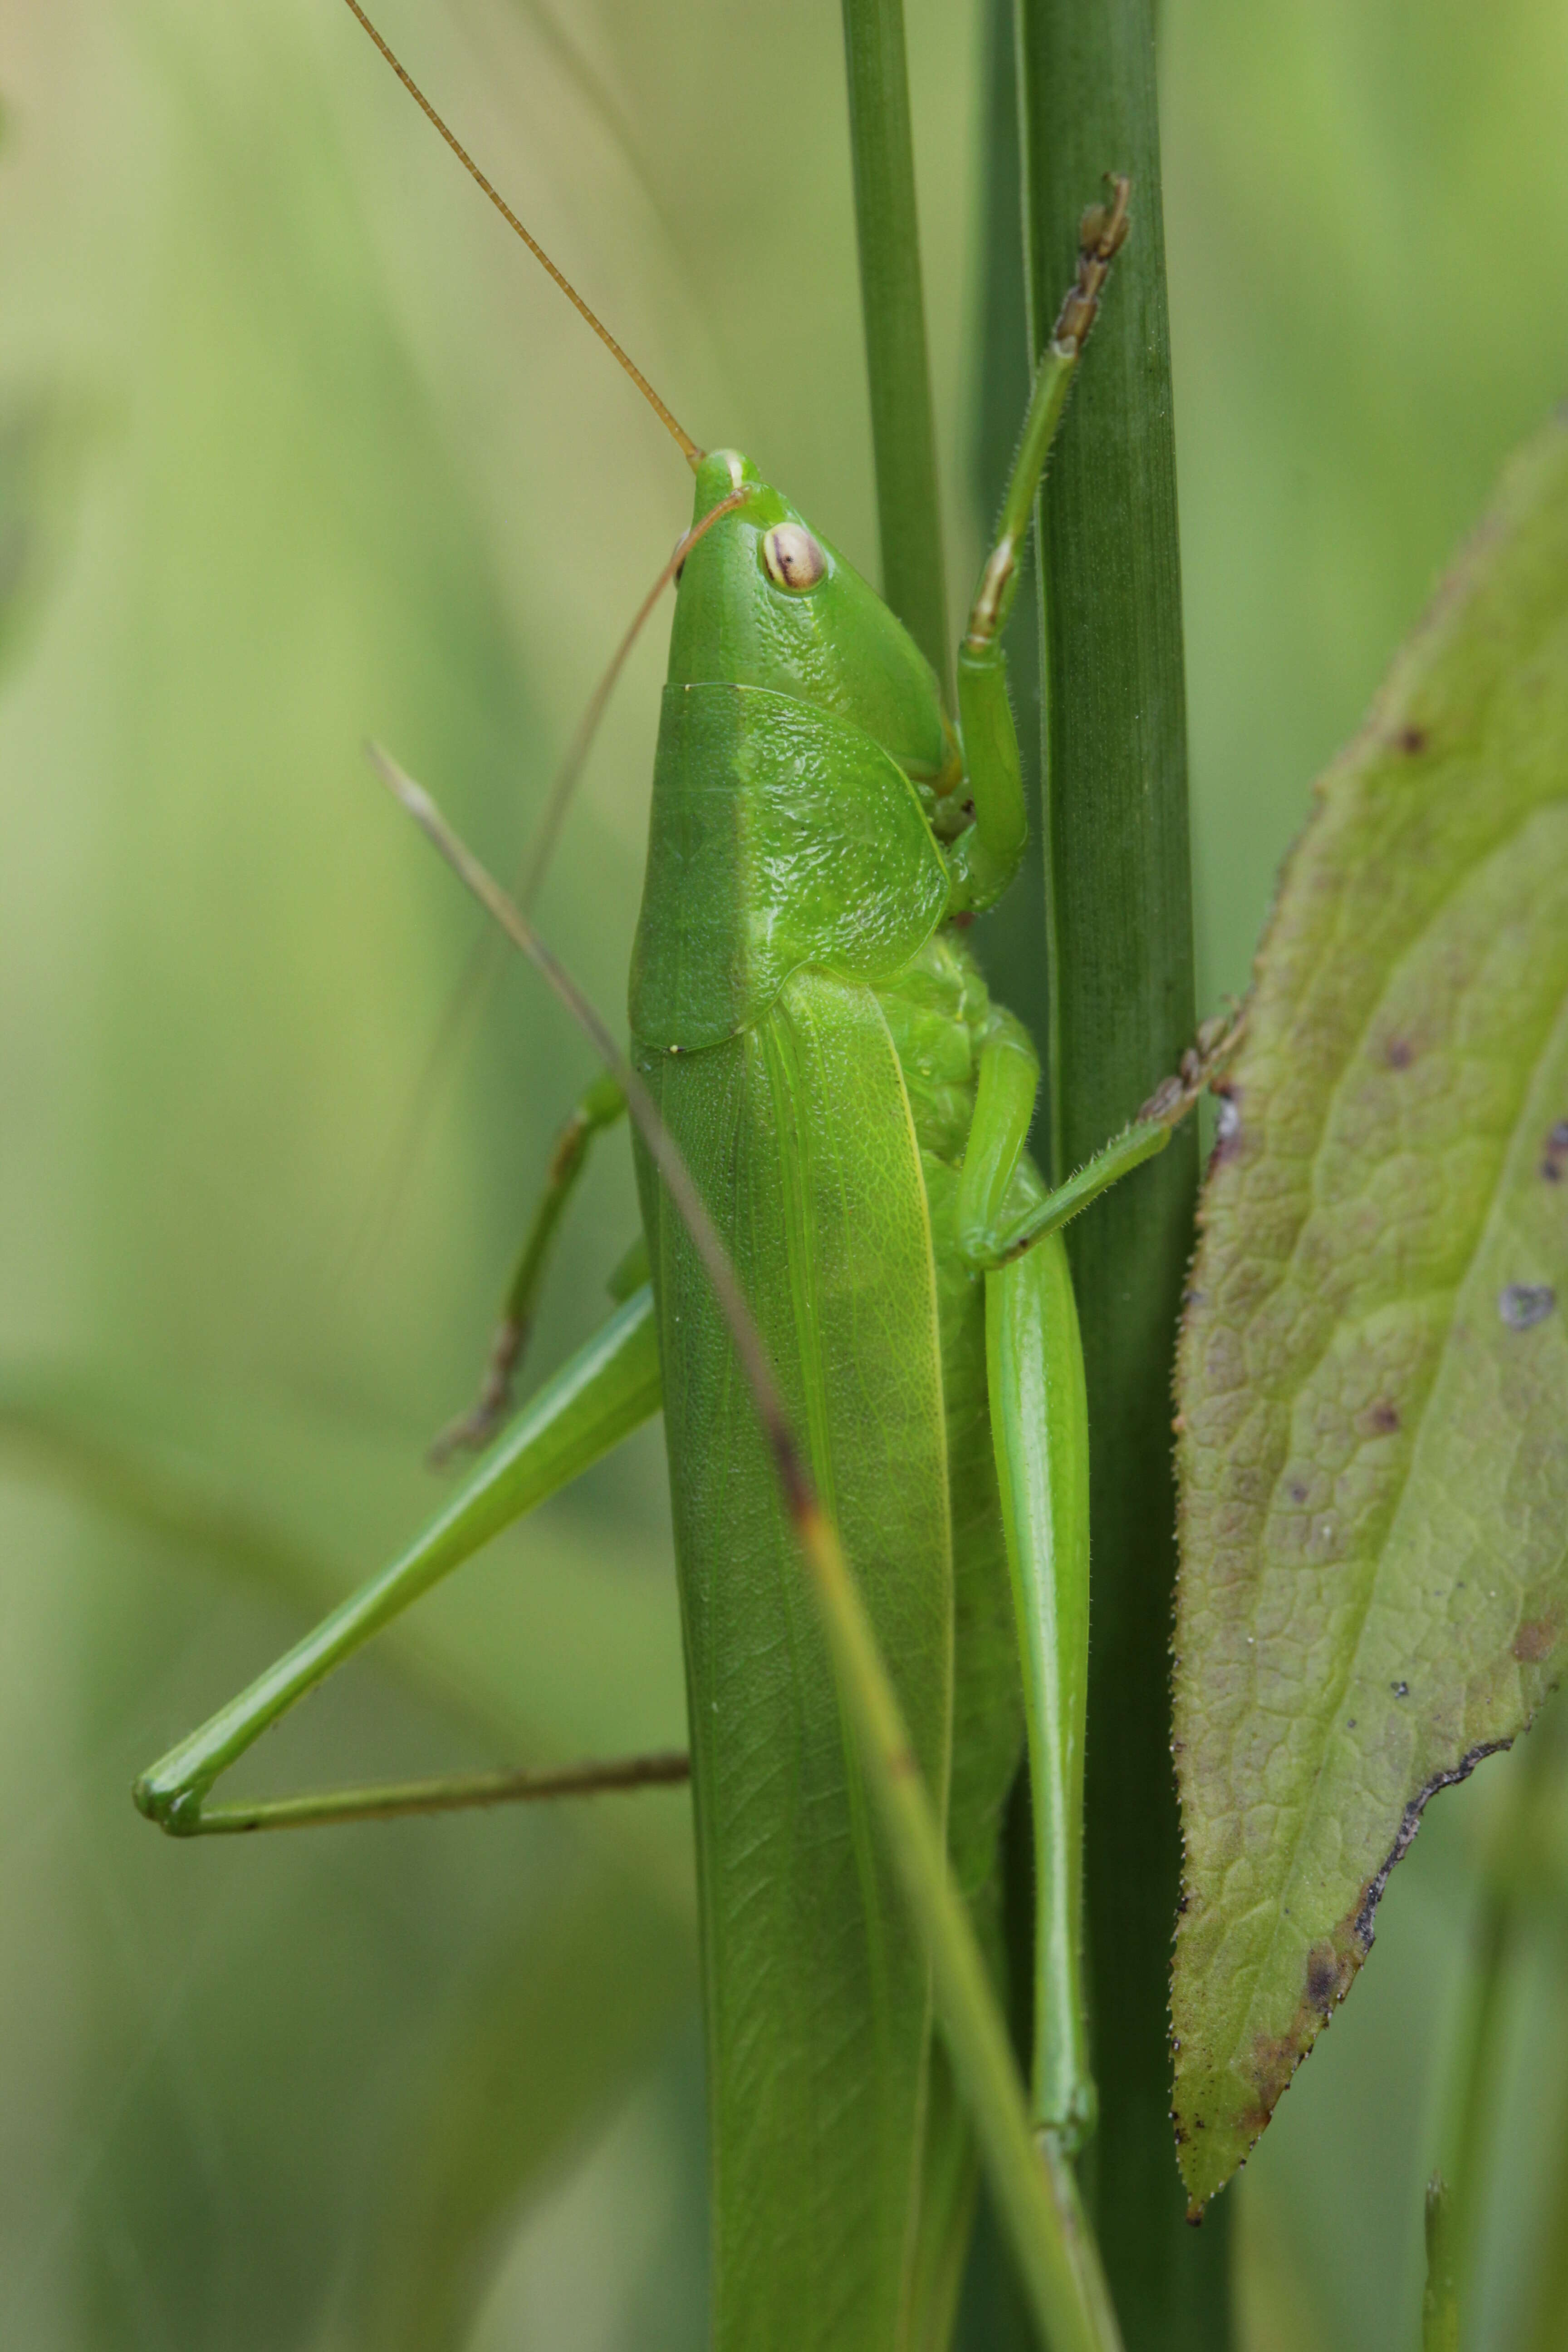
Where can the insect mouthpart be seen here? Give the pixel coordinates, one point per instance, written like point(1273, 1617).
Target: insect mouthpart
point(792, 558)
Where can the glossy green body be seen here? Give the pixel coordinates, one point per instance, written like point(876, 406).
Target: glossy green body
point(811, 1027)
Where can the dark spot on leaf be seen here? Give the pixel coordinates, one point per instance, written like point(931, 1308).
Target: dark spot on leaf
point(1322, 1976)
point(1349, 1723)
point(1399, 1052)
point(1400, 1690)
point(962, 921)
point(1536, 1639)
point(1297, 1491)
point(1382, 1418)
point(1411, 741)
point(1554, 1159)
point(1275, 2058)
point(1522, 1305)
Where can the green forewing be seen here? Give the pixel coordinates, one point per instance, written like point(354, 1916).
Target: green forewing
point(1373, 1370)
point(780, 836)
point(799, 1134)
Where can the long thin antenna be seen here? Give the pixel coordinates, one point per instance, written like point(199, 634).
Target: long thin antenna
point(683, 440)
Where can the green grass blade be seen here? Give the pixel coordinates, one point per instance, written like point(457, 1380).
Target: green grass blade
point(1440, 2303)
point(1010, 939)
point(903, 435)
point(1120, 915)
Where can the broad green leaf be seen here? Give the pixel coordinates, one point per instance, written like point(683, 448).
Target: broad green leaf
point(1373, 1370)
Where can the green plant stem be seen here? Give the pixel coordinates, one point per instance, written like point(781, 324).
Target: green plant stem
point(1440, 2300)
point(903, 435)
point(1119, 900)
point(1011, 937)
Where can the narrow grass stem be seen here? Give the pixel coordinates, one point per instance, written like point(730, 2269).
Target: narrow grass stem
point(1440, 2302)
point(903, 435)
point(1118, 895)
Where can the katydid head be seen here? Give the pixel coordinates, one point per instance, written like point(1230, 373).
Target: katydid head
point(764, 600)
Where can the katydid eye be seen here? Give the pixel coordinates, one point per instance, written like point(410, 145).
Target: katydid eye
point(793, 557)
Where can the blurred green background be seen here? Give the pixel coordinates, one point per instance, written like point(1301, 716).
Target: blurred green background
point(295, 446)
